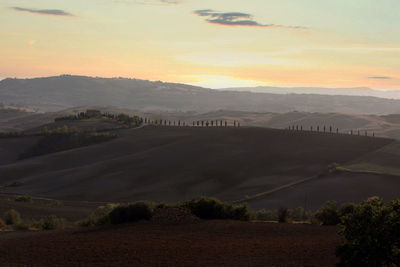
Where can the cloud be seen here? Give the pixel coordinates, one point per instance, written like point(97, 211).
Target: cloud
point(236, 19)
point(52, 12)
point(380, 77)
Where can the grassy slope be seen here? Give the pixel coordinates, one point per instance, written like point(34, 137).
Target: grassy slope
point(172, 164)
point(384, 160)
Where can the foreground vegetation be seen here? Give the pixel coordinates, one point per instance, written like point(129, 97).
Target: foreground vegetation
point(371, 229)
point(203, 208)
point(13, 220)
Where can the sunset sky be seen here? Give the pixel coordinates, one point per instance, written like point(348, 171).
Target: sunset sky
point(212, 43)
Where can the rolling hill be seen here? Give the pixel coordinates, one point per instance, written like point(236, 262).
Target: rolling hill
point(62, 92)
point(177, 163)
point(12, 119)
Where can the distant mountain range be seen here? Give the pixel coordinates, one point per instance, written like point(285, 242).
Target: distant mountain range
point(356, 91)
point(66, 91)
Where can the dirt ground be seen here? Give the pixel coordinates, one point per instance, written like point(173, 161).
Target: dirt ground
point(204, 243)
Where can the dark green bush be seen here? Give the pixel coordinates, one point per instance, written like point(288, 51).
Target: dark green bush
point(131, 212)
point(99, 216)
point(12, 217)
point(51, 222)
point(283, 215)
point(211, 208)
point(372, 233)
point(25, 198)
point(328, 214)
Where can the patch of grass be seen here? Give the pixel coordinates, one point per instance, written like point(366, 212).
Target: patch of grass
point(12, 217)
point(24, 198)
point(371, 167)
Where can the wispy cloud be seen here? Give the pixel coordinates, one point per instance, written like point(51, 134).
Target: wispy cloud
point(236, 19)
point(51, 12)
point(150, 2)
point(380, 77)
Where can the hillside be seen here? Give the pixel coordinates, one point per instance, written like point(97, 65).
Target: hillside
point(383, 126)
point(172, 164)
point(62, 92)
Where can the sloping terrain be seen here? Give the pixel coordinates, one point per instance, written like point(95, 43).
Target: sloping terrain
point(12, 120)
point(62, 92)
point(11, 148)
point(383, 161)
point(177, 163)
point(374, 174)
point(342, 187)
point(383, 126)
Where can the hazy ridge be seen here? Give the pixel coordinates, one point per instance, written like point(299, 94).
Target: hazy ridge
point(62, 92)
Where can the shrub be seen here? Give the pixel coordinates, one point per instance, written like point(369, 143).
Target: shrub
point(328, 214)
point(25, 198)
point(283, 215)
point(298, 214)
point(2, 224)
point(99, 216)
point(131, 212)
point(51, 222)
point(12, 217)
point(266, 215)
point(372, 233)
point(211, 208)
point(346, 208)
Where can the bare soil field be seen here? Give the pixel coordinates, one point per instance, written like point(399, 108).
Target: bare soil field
point(11, 148)
point(179, 163)
point(205, 243)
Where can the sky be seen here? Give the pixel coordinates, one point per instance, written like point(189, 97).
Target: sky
point(210, 43)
